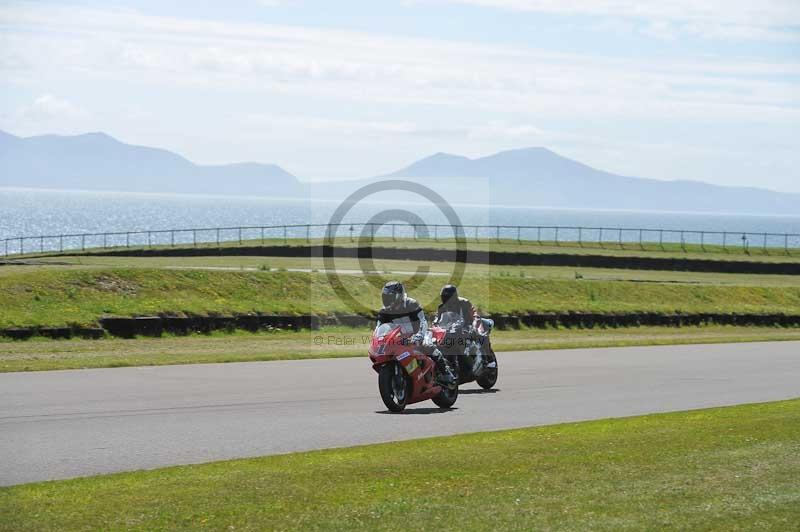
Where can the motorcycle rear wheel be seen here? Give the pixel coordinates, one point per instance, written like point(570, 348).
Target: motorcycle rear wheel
point(447, 397)
point(393, 387)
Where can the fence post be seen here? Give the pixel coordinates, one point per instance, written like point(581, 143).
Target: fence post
point(149, 239)
point(127, 240)
point(194, 237)
point(83, 242)
point(580, 236)
point(371, 232)
point(641, 240)
point(620, 239)
point(285, 241)
point(725, 241)
point(539, 235)
point(393, 232)
point(703, 240)
point(172, 238)
point(217, 237)
point(519, 240)
point(683, 242)
point(435, 233)
point(476, 234)
point(600, 238)
point(6, 254)
point(240, 235)
point(557, 243)
point(661, 239)
point(308, 234)
point(765, 244)
point(497, 228)
point(60, 243)
point(785, 244)
point(41, 244)
point(262, 235)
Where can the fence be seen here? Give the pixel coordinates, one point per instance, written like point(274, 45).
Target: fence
point(558, 236)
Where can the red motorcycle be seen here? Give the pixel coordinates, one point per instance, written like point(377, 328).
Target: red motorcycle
point(405, 374)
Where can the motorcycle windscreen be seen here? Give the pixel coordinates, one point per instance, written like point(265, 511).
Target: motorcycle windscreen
point(404, 322)
point(446, 319)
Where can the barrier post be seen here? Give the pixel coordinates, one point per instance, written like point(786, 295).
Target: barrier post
point(785, 244)
point(703, 240)
point(240, 235)
point(285, 241)
point(620, 240)
point(127, 240)
point(539, 235)
point(172, 238)
point(262, 235)
point(765, 244)
point(683, 242)
point(435, 233)
point(519, 240)
point(661, 239)
point(641, 240)
point(725, 241)
point(308, 234)
point(83, 242)
point(217, 237)
point(600, 238)
point(149, 239)
point(580, 237)
point(194, 237)
point(497, 228)
point(61, 243)
point(557, 243)
point(41, 244)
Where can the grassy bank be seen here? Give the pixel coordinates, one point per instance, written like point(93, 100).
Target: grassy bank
point(40, 354)
point(52, 297)
point(735, 468)
point(755, 252)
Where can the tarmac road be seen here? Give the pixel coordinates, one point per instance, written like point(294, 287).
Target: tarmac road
point(62, 424)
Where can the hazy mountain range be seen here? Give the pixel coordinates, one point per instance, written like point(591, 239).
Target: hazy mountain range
point(531, 177)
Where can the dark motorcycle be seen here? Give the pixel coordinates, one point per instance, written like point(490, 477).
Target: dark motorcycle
point(468, 350)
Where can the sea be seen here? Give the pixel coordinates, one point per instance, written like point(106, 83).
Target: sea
point(35, 213)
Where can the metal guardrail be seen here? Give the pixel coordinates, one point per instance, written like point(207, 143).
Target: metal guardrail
point(566, 236)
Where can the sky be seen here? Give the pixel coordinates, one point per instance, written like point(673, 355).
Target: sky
point(675, 89)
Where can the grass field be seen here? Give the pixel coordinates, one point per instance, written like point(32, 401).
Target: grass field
point(735, 468)
point(62, 296)
point(40, 354)
point(733, 251)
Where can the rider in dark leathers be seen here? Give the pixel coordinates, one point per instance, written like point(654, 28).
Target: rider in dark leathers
point(398, 306)
point(459, 305)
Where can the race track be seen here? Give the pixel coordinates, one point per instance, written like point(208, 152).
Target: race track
point(63, 424)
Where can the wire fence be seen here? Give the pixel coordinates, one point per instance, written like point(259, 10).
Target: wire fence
point(558, 236)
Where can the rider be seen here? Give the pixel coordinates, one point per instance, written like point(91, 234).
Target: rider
point(398, 307)
point(452, 303)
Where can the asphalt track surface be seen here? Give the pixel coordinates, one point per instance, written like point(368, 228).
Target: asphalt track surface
point(63, 424)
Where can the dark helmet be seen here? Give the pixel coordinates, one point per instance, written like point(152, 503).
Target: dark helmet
point(393, 294)
point(449, 294)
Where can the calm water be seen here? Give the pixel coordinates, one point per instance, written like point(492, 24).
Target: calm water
point(36, 212)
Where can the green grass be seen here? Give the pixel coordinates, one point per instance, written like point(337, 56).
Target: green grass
point(733, 251)
point(40, 354)
point(735, 468)
point(245, 263)
point(55, 297)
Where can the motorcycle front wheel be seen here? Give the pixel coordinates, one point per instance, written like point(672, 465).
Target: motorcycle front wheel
point(489, 376)
point(447, 397)
point(393, 387)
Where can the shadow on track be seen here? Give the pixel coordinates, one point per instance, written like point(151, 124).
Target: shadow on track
point(473, 391)
point(411, 411)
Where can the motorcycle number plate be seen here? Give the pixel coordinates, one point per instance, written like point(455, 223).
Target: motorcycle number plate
point(412, 366)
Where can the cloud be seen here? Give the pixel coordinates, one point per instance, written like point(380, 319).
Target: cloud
point(47, 108)
point(775, 20)
point(348, 66)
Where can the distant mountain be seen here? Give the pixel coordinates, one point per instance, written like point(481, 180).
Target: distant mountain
point(534, 177)
point(97, 161)
point(540, 177)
